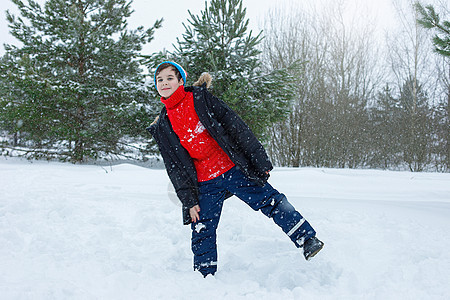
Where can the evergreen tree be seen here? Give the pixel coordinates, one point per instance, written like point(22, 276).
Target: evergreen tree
point(384, 116)
point(430, 19)
point(218, 41)
point(415, 125)
point(76, 81)
point(441, 136)
point(7, 125)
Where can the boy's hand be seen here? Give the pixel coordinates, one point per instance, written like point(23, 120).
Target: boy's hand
point(193, 212)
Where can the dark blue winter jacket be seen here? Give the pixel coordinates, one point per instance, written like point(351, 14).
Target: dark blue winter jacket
point(229, 131)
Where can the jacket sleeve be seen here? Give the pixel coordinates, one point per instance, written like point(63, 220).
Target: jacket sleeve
point(179, 167)
point(242, 135)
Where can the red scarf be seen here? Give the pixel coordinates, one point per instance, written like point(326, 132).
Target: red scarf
point(209, 159)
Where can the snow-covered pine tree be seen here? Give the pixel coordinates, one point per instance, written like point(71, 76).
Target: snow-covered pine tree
point(77, 84)
point(218, 41)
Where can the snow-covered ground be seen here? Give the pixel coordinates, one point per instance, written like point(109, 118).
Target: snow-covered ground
point(90, 232)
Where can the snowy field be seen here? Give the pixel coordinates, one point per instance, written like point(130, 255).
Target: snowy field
point(87, 232)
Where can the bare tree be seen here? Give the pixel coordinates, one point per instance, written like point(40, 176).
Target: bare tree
point(431, 18)
point(336, 78)
point(411, 60)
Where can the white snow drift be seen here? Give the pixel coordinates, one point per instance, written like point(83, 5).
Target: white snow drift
point(90, 232)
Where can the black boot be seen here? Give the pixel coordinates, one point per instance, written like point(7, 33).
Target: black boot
point(311, 247)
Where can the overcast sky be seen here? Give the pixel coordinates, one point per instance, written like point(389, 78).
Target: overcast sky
point(175, 12)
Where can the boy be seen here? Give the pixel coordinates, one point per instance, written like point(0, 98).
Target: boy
point(211, 154)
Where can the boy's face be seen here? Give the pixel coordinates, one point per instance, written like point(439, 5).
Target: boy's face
point(167, 82)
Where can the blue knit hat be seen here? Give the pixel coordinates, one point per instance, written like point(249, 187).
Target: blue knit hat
point(179, 68)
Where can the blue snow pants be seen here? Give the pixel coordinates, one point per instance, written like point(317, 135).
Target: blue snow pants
point(264, 198)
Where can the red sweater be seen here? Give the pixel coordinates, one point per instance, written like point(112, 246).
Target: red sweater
point(209, 159)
